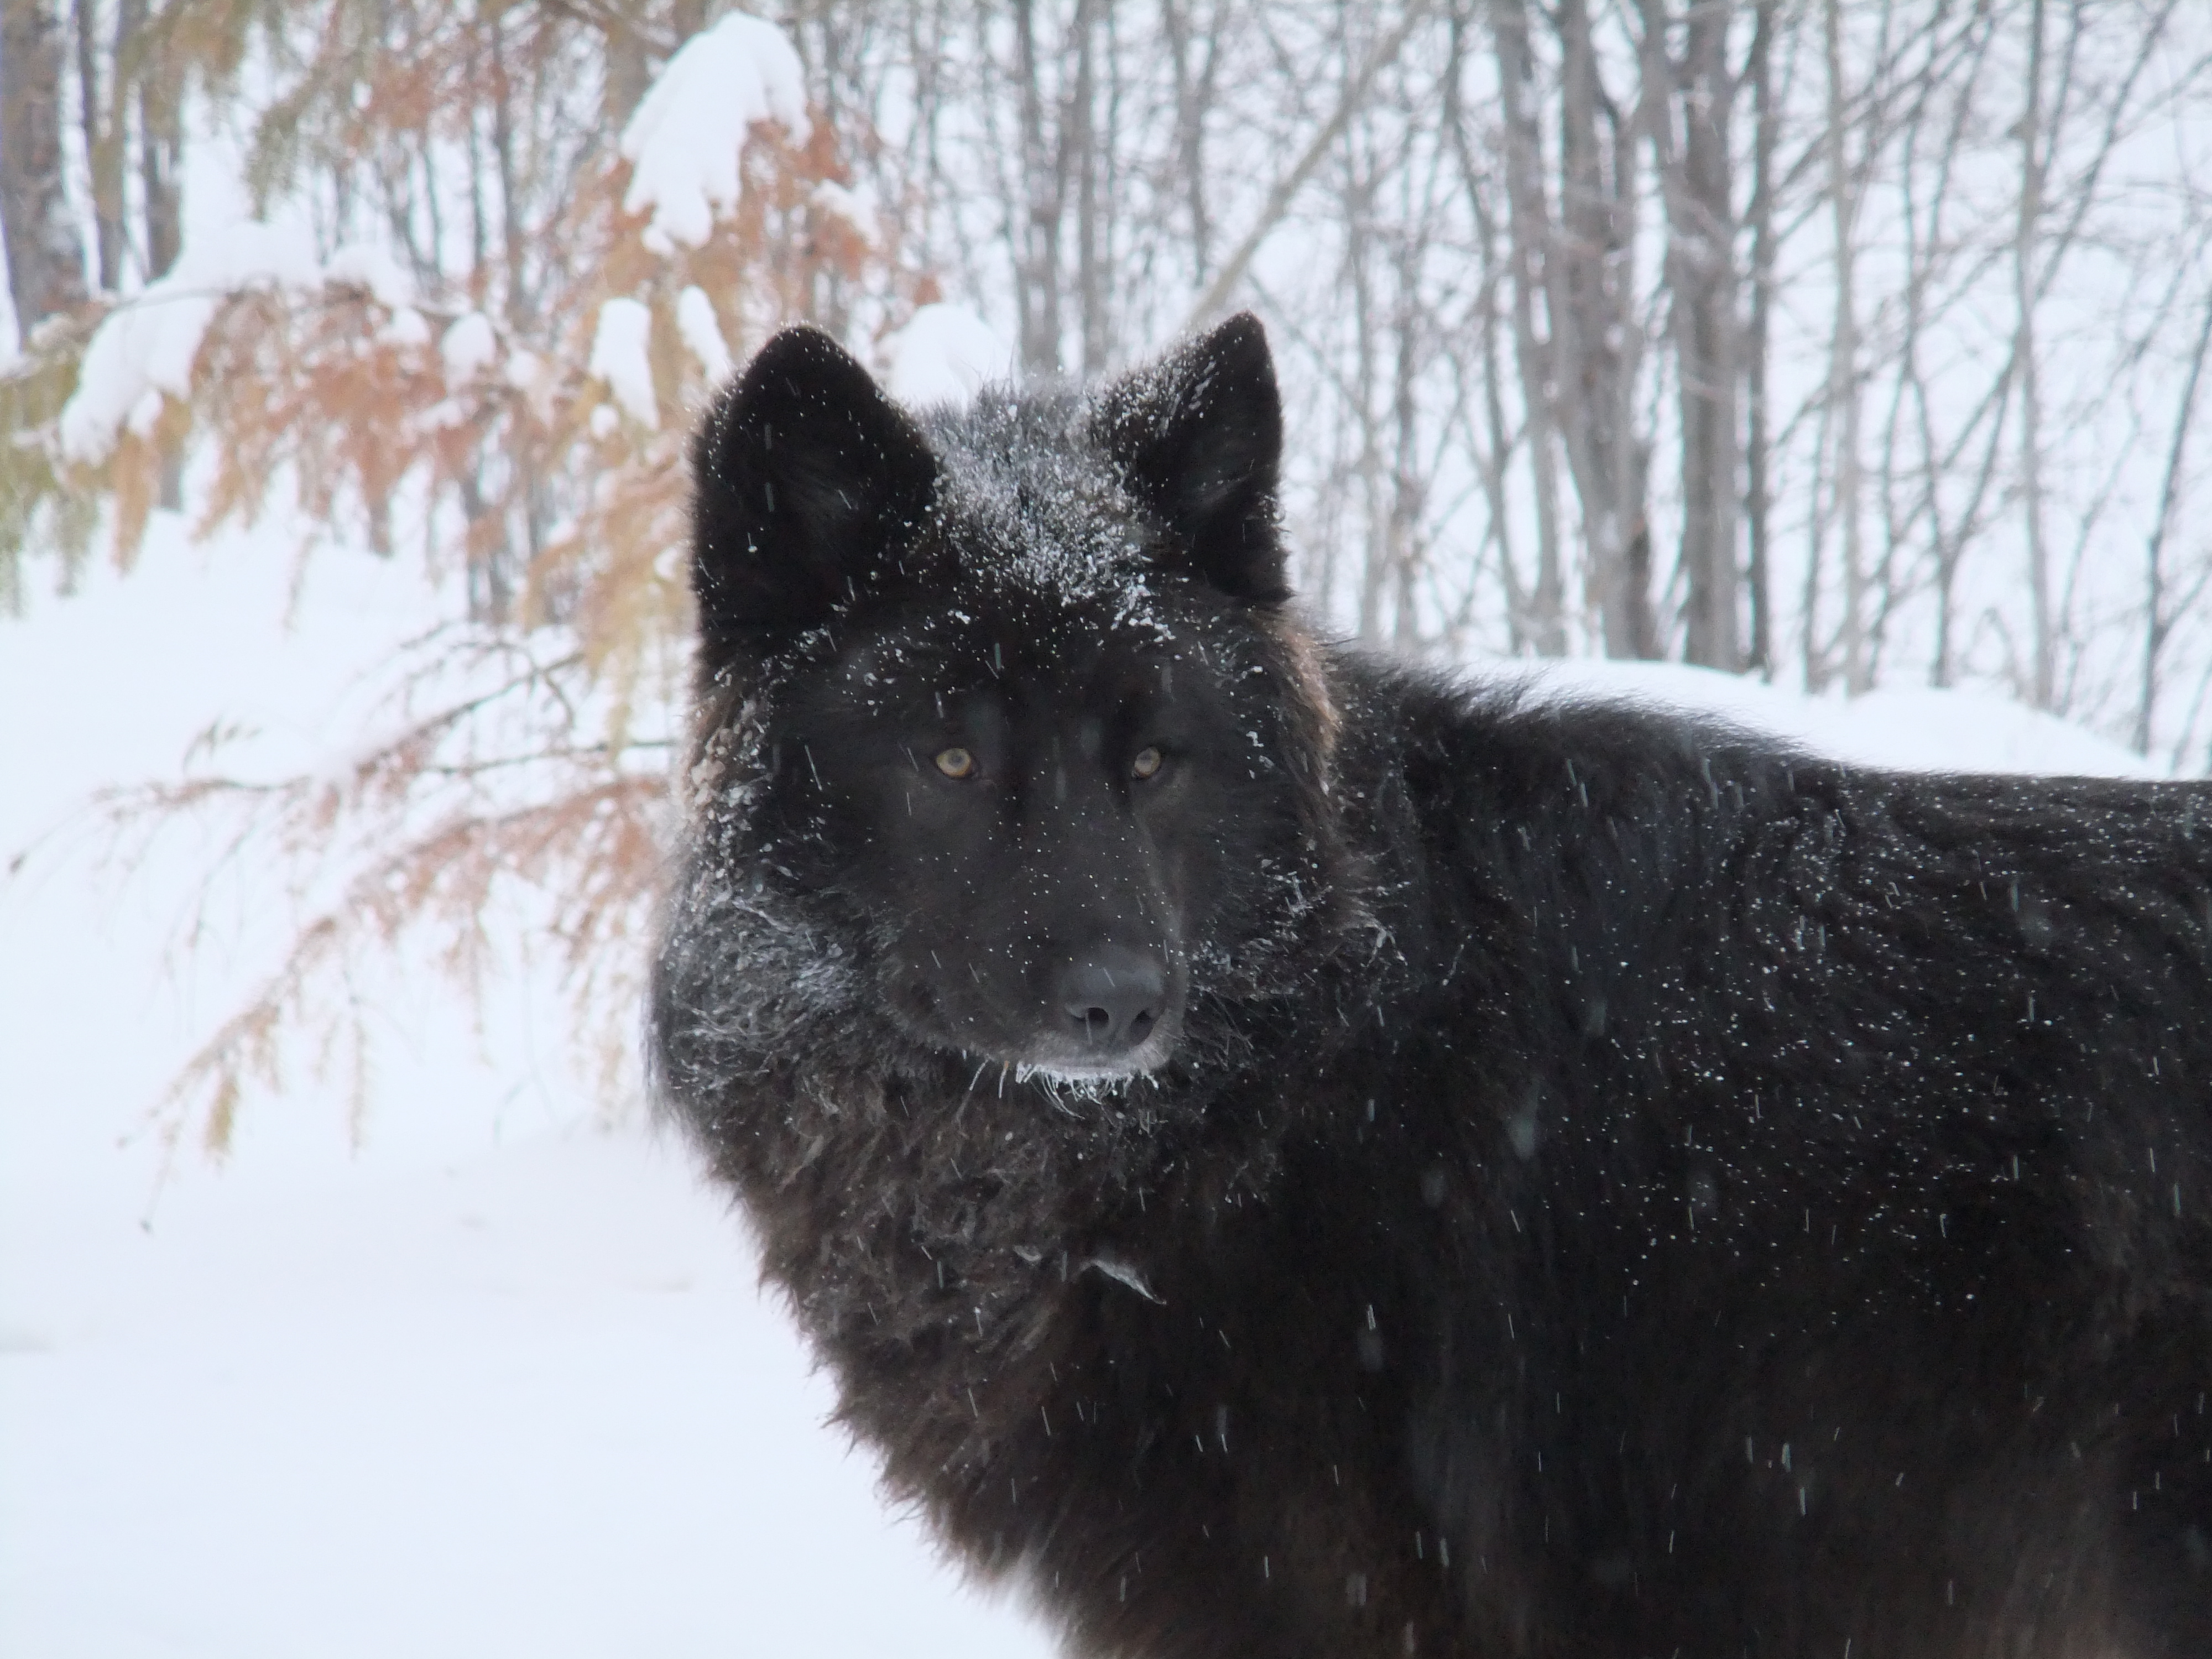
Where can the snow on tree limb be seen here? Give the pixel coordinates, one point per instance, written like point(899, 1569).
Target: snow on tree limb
point(702, 333)
point(684, 141)
point(945, 354)
point(145, 348)
point(620, 357)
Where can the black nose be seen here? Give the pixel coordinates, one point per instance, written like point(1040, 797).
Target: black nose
point(1113, 995)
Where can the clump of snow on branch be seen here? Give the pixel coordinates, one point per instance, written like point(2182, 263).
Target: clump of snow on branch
point(702, 332)
point(684, 142)
point(368, 266)
point(856, 208)
point(371, 269)
point(407, 327)
point(467, 347)
point(943, 354)
point(144, 348)
point(619, 357)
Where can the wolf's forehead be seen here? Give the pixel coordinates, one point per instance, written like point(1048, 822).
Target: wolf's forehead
point(1050, 522)
point(1012, 639)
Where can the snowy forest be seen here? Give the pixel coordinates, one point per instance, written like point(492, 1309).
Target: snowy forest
point(1843, 344)
point(1836, 359)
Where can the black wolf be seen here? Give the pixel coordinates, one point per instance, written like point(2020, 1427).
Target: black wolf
point(1285, 1155)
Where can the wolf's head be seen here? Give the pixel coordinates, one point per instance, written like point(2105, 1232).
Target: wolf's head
point(1008, 748)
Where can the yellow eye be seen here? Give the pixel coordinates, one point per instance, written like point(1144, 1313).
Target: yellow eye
point(955, 763)
point(1148, 762)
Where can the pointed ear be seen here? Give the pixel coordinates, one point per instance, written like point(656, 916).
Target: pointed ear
point(1199, 438)
point(806, 479)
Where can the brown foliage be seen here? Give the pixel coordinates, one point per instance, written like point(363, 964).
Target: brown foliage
point(522, 771)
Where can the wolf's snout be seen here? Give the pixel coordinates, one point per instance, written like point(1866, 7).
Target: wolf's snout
point(1113, 995)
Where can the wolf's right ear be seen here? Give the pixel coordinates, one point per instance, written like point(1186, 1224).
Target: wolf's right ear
point(1199, 437)
point(805, 478)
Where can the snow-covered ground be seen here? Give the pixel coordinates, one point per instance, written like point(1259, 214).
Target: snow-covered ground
point(497, 1384)
point(497, 1381)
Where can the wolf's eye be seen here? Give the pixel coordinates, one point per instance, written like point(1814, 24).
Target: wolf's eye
point(1147, 763)
point(955, 763)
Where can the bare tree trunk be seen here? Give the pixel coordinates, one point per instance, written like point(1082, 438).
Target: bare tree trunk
point(1590, 273)
point(428, 260)
point(1193, 95)
point(515, 245)
point(2158, 620)
point(1698, 194)
point(98, 110)
point(490, 587)
point(161, 154)
point(1367, 344)
point(45, 261)
point(1844, 392)
point(1037, 253)
point(1494, 457)
point(1084, 155)
point(1408, 486)
point(629, 70)
point(1520, 610)
point(1348, 104)
point(492, 559)
point(160, 159)
point(479, 215)
point(1925, 251)
point(1756, 489)
point(2043, 663)
point(127, 67)
point(1528, 227)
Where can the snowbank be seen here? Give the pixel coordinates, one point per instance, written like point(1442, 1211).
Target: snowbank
point(1913, 731)
point(499, 1383)
point(684, 142)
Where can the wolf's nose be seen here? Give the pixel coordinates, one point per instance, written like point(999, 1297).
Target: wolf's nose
point(1113, 994)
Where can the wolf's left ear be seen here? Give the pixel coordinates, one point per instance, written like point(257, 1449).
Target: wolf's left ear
point(1199, 438)
point(807, 479)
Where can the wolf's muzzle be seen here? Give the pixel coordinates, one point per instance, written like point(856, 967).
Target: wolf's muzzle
point(1111, 997)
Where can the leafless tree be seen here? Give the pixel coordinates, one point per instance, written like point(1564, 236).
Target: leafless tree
point(1846, 344)
point(1839, 342)
point(46, 260)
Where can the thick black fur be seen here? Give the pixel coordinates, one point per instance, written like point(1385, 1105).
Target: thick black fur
point(1596, 1183)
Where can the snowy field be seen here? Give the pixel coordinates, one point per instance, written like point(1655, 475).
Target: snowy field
point(495, 1381)
point(497, 1384)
